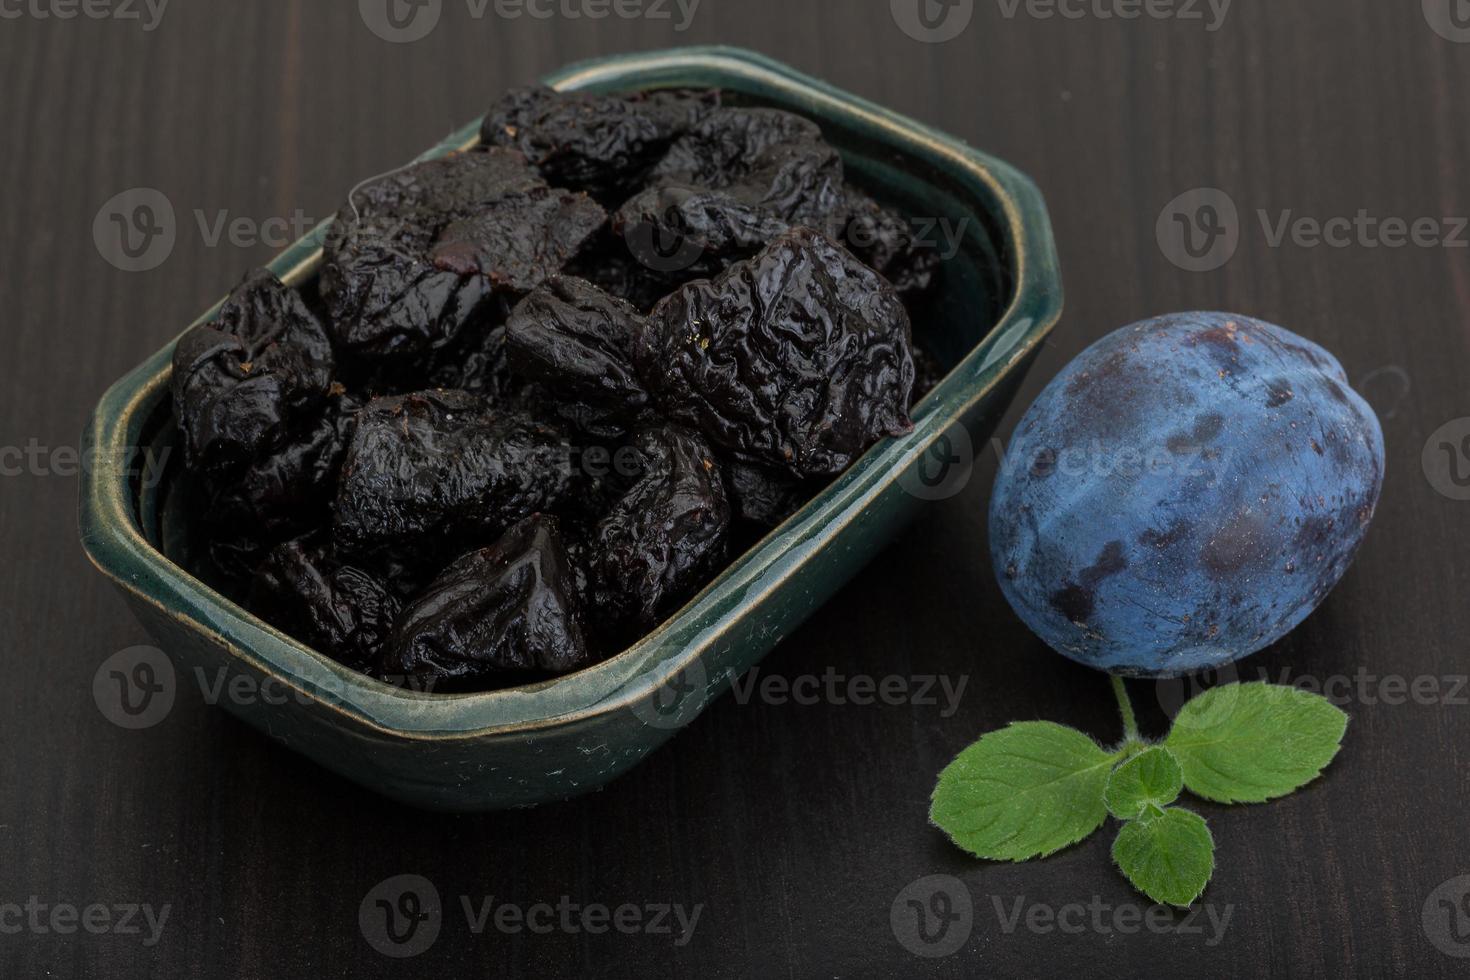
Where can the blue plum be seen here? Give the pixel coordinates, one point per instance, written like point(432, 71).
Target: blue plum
point(1183, 494)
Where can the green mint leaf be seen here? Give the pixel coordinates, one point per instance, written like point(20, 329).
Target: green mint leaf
point(1024, 791)
point(1169, 858)
point(1151, 780)
point(1247, 743)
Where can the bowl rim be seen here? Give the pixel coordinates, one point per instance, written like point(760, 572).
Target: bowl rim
point(114, 543)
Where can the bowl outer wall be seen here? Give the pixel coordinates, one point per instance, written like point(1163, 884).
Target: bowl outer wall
point(556, 739)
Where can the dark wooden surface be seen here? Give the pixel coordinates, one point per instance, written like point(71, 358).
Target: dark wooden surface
point(794, 826)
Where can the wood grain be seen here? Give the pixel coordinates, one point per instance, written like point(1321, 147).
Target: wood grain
point(795, 827)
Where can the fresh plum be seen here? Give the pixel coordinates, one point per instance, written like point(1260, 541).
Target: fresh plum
point(1183, 494)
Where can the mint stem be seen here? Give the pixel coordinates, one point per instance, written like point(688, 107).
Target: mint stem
point(1125, 708)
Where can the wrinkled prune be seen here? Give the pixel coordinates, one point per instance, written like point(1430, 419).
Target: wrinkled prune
point(578, 341)
point(601, 144)
point(928, 372)
point(730, 185)
point(889, 244)
point(242, 380)
point(498, 415)
point(439, 469)
point(762, 496)
point(666, 535)
point(608, 263)
point(283, 493)
point(404, 258)
point(337, 608)
point(509, 608)
point(520, 240)
point(797, 359)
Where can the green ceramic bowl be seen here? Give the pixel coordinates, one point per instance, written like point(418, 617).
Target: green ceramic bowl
point(1000, 294)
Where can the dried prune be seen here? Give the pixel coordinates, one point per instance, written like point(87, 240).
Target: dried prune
point(762, 496)
point(598, 143)
point(798, 359)
point(282, 493)
point(520, 240)
point(413, 256)
point(578, 341)
point(337, 608)
point(241, 381)
point(889, 244)
point(608, 263)
point(444, 469)
point(510, 608)
point(665, 536)
point(730, 185)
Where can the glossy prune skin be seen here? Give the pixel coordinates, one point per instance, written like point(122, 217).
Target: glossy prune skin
point(520, 240)
point(889, 244)
point(601, 144)
point(508, 609)
point(798, 359)
point(243, 380)
point(762, 496)
point(436, 470)
point(283, 493)
point(339, 609)
point(665, 536)
point(406, 266)
point(1184, 493)
point(730, 185)
point(577, 341)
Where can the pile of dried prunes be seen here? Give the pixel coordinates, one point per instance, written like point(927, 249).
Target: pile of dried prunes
point(544, 389)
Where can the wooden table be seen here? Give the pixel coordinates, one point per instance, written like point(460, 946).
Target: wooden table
point(792, 827)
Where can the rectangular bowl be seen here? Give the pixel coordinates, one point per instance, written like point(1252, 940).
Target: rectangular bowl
point(999, 295)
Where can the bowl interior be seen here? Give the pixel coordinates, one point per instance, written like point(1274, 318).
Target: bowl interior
point(995, 299)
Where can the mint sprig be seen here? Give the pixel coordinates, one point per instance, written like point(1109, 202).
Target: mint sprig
point(1032, 788)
